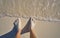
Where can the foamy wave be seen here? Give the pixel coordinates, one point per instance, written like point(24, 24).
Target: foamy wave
point(49, 19)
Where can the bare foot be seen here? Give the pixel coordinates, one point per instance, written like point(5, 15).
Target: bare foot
point(32, 32)
point(30, 25)
point(18, 24)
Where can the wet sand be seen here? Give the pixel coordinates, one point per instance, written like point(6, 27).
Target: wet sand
point(43, 29)
point(46, 14)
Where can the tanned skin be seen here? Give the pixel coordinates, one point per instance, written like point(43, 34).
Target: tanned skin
point(18, 35)
point(32, 34)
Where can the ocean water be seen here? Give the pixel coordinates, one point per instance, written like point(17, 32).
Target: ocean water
point(46, 14)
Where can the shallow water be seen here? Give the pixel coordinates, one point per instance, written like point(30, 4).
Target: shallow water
point(45, 12)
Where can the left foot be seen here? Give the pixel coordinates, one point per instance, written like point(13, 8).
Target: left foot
point(18, 23)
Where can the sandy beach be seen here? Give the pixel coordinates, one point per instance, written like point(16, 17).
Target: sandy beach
point(46, 14)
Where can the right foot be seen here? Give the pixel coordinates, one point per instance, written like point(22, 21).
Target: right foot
point(30, 25)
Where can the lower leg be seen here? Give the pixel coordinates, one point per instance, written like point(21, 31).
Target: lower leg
point(32, 34)
point(18, 35)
